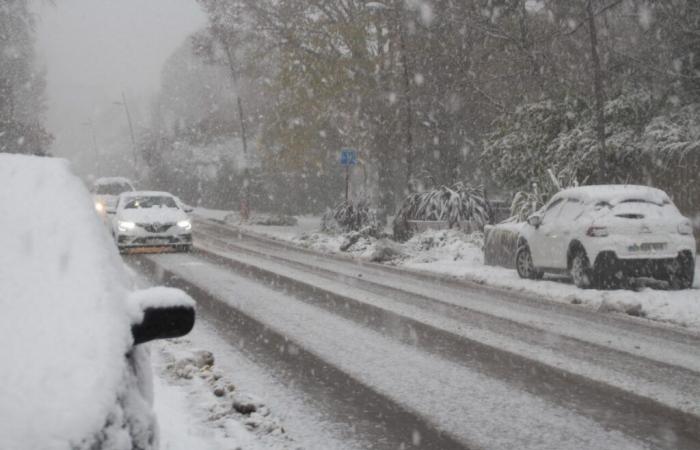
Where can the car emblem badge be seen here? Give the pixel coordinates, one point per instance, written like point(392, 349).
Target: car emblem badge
point(645, 229)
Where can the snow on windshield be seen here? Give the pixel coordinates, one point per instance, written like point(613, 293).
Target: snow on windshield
point(149, 202)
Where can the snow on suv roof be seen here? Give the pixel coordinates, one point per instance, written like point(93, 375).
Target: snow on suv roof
point(112, 180)
point(613, 193)
point(64, 326)
point(146, 194)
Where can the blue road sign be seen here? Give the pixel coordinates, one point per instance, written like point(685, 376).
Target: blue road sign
point(348, 157)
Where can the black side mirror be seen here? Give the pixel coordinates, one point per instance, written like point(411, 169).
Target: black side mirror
point(167, 313)
point(187, 209)
point(163, 323)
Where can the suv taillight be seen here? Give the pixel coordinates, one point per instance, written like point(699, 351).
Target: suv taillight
point(685, 228)
point(597, 232)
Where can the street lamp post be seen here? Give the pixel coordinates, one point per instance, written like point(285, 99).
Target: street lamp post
point(90, 124)
point(131, 127)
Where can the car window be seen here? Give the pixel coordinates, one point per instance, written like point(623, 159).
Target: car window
point(644, 200)
point(150, 202)
point(570, 210)
point(112, 188)
point(552, 209)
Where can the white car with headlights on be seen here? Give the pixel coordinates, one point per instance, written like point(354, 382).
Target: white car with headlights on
point(151, 219)
point(605, 234)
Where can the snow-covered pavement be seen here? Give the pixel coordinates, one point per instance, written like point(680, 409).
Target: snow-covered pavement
point(201, 379)
point(368, 321)
point(453, 254)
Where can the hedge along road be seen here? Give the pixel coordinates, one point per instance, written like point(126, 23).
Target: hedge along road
point(452, 363)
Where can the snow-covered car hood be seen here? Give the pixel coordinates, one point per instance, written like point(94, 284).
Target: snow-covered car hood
point(65, 325)
point(151, 215)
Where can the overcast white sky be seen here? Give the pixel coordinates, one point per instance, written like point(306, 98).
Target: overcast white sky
point(94, 49)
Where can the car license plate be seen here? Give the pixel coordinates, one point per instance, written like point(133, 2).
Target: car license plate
point(647, 247)
point(156, 241)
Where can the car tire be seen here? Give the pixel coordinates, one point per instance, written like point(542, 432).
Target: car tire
point(184, 248)
point(681, 272)
point(580, 271)
point(523, 264)
point(607, 273)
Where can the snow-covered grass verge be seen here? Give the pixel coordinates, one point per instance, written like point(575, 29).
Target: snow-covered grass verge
point(452, 253)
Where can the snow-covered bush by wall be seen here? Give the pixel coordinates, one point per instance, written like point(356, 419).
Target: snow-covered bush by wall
point(452, 204)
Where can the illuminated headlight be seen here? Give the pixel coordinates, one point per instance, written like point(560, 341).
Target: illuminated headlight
point(125, 226)
point(99, 207)
point(685, 228)
point(185, 224)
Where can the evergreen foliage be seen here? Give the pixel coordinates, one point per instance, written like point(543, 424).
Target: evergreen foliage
point(350, 216)
point(452, 204)
point(22, 84)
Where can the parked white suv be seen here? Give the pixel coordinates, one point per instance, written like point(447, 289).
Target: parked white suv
point(604, 234)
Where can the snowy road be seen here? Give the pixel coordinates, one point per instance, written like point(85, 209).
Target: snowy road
point(393, 358)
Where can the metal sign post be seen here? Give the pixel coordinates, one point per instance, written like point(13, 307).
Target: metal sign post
point(348, 158)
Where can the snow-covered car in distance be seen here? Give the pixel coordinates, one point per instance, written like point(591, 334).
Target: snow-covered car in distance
point(151, 219)
point(106, 190)
point(74, 375)
point(604, 234)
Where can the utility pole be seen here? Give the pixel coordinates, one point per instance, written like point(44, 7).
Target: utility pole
point(407, 100)
point(245, 203)
point(597, 93)
point(406, 82)
point(131, 128)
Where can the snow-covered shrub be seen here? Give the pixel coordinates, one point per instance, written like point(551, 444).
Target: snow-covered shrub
point(351, 216)
point(671, 150)
point(444, 245)
point(526, 203)
point(273, 220)
point(561, 137)
point(452, 204)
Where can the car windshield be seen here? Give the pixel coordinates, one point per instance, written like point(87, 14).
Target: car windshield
point(112, 188)
point(631, 200)
point(644, 200)
point(148, 202)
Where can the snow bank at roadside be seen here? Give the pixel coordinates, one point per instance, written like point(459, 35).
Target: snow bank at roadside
point(190, 385)
point(452, 253)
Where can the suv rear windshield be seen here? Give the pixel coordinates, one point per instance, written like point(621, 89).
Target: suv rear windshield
point(112, 188)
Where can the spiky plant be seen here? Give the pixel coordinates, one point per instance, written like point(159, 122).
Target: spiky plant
point(526, 203)
point(452, 204)
point(351, 216)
